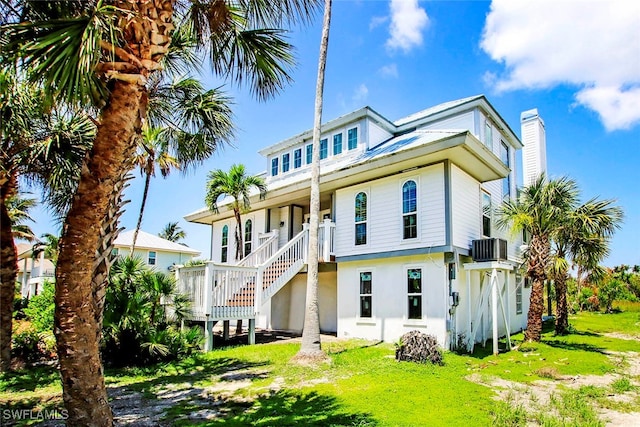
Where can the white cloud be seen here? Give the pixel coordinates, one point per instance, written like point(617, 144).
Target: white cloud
point(360, 94)
point(408, 20)
point(390, 70)
point(594, 45)
point(376, 21)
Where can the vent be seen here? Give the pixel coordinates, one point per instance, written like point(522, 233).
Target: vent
point(489, 250)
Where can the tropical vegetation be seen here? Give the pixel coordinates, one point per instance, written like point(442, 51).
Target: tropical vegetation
point(173, 232)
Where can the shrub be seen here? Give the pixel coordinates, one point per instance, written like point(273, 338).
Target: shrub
point(415, 346)
point(41, 308)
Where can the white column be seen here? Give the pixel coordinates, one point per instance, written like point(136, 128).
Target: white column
point(469, 310)
point(494, 309)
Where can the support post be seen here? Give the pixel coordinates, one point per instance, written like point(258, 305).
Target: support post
point(494, 309)
point(469, 324)
point(208, 334)
point(225, 330)
point(252, 331)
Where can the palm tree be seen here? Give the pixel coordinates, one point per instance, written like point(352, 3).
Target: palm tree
point(172, 232)
point(311, 346)
point(102, 54)
point(237, 185)
point(18, 208)
point(51, 243)
point(582, 238)
point(539, 210)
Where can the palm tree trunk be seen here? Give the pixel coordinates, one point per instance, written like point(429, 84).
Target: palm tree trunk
point(239, 243)
point(311, 346)
point(8, 275)
point(77, 326)
point(147, 181)
point(562, 310)
point(539, 255)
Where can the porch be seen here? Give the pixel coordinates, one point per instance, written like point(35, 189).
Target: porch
point(224, 292)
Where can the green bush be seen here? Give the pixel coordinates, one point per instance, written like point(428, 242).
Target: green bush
point(41, 308)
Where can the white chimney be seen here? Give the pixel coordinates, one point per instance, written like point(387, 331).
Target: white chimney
point(534, 153)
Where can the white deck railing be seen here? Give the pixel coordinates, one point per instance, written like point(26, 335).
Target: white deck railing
point(222, 291)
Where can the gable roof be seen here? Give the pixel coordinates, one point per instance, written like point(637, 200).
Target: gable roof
point(150, 241)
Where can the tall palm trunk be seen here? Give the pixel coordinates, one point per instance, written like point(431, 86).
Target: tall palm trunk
point(147, 182)
point(562, 310)
point(539, 256)
point(77, 326)
point(8, 275)
point(311, 347)
point(239, 239)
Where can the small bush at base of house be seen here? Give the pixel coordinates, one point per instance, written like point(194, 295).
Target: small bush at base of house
point(415, 346)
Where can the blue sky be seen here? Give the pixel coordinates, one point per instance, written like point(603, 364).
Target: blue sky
point(578, 62)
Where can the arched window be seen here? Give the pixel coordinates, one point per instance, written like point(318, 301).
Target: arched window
point(248, 237)
point(409, 210)
point(361, 218)
point(225, 243)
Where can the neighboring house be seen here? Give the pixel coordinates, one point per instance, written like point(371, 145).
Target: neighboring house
point(33, 271)
point(408, 237)
point(161, 254)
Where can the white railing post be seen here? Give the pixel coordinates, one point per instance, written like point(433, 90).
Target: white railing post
point(326, 242)
point(208, 288)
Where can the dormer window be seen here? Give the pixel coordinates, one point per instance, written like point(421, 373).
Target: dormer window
point(309, 153)
point(297, 158)
point(337, 144)
point(324, 148)
point(352, 138)
point(285, 162)
point(274, 166)
point(488, 135)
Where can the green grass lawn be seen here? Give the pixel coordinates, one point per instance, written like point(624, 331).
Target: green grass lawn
point(364, 385)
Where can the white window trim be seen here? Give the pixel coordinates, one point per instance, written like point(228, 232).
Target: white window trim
point(366, 320)
point(155, 257)
point(368, 222)
point(411, 240)
point(358, 135)
point(277, 159)
point(304, 153)
point(290, 153)
point(223, 246)
point(294, 158)
point(333, 135)
point(482, 193)
point(405, 317)
point(253, 232)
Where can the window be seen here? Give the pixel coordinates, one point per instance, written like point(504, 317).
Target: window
point(409, 210)
point(486, 214)
point(488, 135)
point(114, 252)
point(286, 159)
point(248, 237)
point(324, 148)
point(297, 158)
point(506, 182)
point(225, 243)
point(518, 294)
point(352, 138)
point(274, 166)
point(337, 144)
point(414, 292)
point(361, 219)
point(309, 153)
point(151, 259)
point(365, 294)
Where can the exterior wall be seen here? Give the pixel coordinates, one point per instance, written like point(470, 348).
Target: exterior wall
point(465, 208)
point(460, 121)
point(258, 219)
point(164, 260)
point(384, 213)
point(390, 300)
point(289, 304)
point(375, 134)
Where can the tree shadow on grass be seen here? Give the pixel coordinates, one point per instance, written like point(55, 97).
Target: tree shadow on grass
point(576, 346)
point(29, 379)
point(280, 408)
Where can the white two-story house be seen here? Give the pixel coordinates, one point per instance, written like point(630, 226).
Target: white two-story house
point(408, 237)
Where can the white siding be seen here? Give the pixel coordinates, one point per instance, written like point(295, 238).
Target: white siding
point(465, 206)
point(258, 219)
point(384, 229)
point(460, 121)
point(389, 298)
point(375, 134)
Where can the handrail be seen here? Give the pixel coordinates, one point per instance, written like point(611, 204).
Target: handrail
point(263, 252)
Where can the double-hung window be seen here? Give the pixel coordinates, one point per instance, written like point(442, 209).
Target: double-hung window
point(409, 210)
point(297, 158)
point(151, 259)
point(414, 293)
point(274, 166)
point(337, 144)
point(361, 218)
point(506, 182)
point(309, 153)
point(224, 245)
point(324, 148)
point(286, 161)
point(248, 237)
point(352, 138)
point(366, 293)
point(486, 214)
